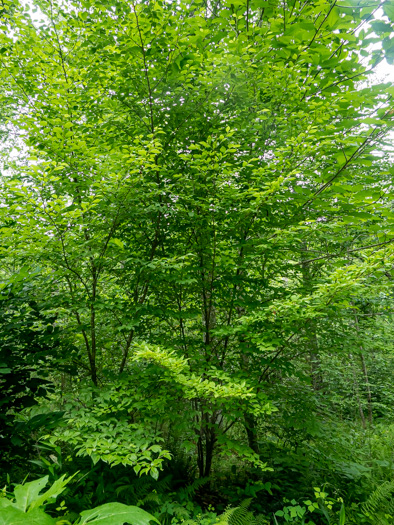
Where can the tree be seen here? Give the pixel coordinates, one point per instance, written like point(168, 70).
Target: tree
point(192, 171)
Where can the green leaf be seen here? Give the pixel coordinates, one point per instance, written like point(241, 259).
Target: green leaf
point(52, 493)
point(342, 515)
point(26, 494)
point(388, 9)
point(116, 514)
point(14, 516)
point(117, 242)
point(333, 17)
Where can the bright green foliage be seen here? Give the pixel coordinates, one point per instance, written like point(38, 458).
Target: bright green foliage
point(101, 426)
point(329, 510)
point(11, 516)
point(25, 508)
point(186, 166)
point(205, 192)
point(241, 516)
point(27, 500)
point(116, 514)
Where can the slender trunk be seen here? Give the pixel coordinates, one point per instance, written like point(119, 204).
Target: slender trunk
point(312, 343)
point(368, 387)
point(93, 340)
point(316, 376)
point(210, 441)
point(200, 457)
point(365, 374)
point(93, 367)
point(126, 351)
point(250, 424)
point(90, 346)
point(205, 447)
point(93, 370)
point(357, 392)
point(205, 450)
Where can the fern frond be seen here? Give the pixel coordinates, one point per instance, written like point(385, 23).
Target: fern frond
point(152, 497)
point(238, 515)
point(380, 504)
point(260, 520)
point(186, 493)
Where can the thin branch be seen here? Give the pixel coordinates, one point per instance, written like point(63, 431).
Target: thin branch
point(332, 256)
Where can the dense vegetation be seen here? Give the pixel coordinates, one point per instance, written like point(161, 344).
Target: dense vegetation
point(196, 262)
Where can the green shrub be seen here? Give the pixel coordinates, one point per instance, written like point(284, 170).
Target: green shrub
point(27, 506)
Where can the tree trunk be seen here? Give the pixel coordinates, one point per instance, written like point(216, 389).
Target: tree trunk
point(314, 358)
point(357, 392)
point(205, 446)
point(365, 374)
point(250, 425)
point(368, 388)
